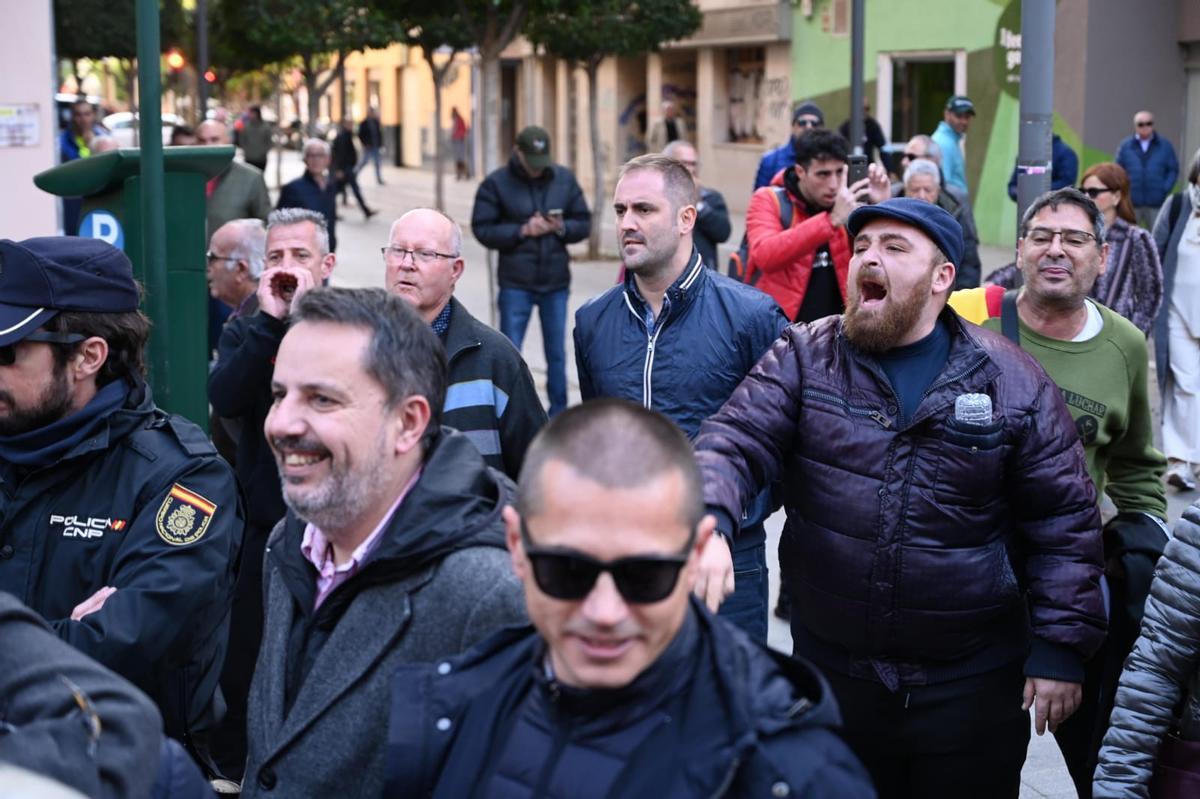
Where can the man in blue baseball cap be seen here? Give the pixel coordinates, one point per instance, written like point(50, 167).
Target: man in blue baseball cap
point(119, 523)
point(942, 545)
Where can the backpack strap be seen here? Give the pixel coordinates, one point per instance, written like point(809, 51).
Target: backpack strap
point(1173, 211)
point(785, 206)
point(1010, 323)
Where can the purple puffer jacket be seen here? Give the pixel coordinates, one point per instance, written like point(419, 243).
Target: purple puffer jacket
point(914, 551)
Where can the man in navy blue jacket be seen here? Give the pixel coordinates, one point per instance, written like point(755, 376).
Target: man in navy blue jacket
point(1152, 166)
point(678, 338)
point(627, 687)
point(315, 189)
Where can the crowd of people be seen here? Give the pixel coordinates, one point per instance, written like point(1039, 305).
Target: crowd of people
point(391, 571)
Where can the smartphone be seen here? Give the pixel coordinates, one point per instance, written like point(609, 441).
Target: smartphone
point(857, 169)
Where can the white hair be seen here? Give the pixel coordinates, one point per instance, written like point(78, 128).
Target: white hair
point(923, 166)
point(250, 246)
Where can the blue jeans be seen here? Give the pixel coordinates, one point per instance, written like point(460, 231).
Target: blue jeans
point(516, 306)
point(747, 605)
point(371, 154)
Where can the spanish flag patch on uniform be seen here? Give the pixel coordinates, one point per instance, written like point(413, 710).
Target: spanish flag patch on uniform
point(183, 516)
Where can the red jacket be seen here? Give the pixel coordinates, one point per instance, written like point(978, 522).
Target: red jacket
point(784, 257)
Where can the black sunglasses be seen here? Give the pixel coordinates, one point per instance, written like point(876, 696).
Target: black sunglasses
point(807, 123)
point(1145, 124)
point(567, 574)
point(1094, 192)
point(8, 352)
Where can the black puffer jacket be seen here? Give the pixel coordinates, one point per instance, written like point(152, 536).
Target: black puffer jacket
point(716, 715)
point(1164, 664)
point(909, 552)
point(505, 201)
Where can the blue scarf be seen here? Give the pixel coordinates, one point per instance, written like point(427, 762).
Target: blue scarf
point(45, 445)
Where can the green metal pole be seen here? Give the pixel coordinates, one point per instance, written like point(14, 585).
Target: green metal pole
point(154, 220)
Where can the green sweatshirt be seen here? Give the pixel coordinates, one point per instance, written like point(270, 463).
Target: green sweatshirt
point(1103, 381)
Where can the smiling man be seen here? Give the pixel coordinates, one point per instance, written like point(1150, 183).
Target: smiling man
point(491, 397)
point(391, 551)
point(624, 687)
point(942, 545)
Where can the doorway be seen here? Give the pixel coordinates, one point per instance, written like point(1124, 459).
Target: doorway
point(913, 88)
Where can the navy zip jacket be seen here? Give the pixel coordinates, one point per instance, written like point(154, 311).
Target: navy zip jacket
point(715, 715)
point(687, 362)
point(921, 550)
point(305, 192)
point(145, 505)
point(1152, 174)
point(505, 201)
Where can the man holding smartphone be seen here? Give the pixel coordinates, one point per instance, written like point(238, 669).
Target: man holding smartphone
point(529, 211)
point(804, 266)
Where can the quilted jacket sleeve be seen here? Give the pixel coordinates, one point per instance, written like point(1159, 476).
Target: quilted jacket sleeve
point(1163, 661)
point(741, 448)
point(1057, 520)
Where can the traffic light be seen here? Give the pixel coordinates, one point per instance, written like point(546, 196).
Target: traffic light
point(175, 60)
point(210, 76)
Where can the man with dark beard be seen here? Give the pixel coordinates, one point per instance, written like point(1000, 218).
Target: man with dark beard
point(121, 525)
point(639, 341)
point(392, 550)
point(942, 545)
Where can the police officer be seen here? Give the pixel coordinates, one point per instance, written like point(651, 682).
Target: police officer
point(119, 523)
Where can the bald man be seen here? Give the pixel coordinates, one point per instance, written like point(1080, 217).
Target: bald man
point(491, 397)
point(237, 193)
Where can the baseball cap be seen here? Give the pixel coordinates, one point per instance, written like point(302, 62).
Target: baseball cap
point(960, 104)
point(932, 220)
point(40, 277)
point(534, 144)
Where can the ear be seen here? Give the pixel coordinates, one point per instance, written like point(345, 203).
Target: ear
point(327, 265)
point(456, 270)
point(943, 277)
point(704, 535)
point(512, 537)
point(687, 219)
point(89, 357)
point(1103, 259)
point(410, 419)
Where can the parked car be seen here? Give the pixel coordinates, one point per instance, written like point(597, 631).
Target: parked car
point(123, 123)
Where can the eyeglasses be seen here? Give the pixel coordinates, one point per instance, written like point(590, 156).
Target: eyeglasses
point(566, 574)
point(1094, 192)
point(8, 353)
point(912, 156)
point(211, 256)
point(1145, 124)
point(1075, 239)
point(807, 122)
point(395, 255)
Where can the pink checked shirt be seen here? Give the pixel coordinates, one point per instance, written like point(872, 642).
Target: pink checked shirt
point(318, 551)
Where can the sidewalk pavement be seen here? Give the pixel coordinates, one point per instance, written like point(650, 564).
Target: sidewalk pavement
point(361, 264)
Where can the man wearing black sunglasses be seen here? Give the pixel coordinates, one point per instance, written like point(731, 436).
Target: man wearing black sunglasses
point(1152, 166)
point(121, 526)
point(626, 686)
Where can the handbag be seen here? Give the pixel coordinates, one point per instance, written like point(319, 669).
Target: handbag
point(1177, 770)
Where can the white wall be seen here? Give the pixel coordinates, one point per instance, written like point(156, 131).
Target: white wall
point(27, 76)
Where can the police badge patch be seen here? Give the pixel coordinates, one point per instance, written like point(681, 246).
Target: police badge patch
point(183, 516)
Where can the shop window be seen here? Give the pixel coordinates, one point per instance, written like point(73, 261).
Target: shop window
point(746, 75)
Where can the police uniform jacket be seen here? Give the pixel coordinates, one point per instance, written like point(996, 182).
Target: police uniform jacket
point(144, 505)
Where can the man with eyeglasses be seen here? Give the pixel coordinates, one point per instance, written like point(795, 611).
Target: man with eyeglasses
point(942, 544)
point(1152, 166)
point(1100, 362)
point(491, 398)
point(950, 133)
point(392, 551)
point(807, 116)
point(239, 388)
point(315, 189)
point(121, 525)
point(624, 686)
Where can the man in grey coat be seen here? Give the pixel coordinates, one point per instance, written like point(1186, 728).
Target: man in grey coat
point(392, 550)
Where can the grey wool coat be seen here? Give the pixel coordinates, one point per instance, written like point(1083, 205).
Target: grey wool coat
point(1162, 670)
point(438, 581)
